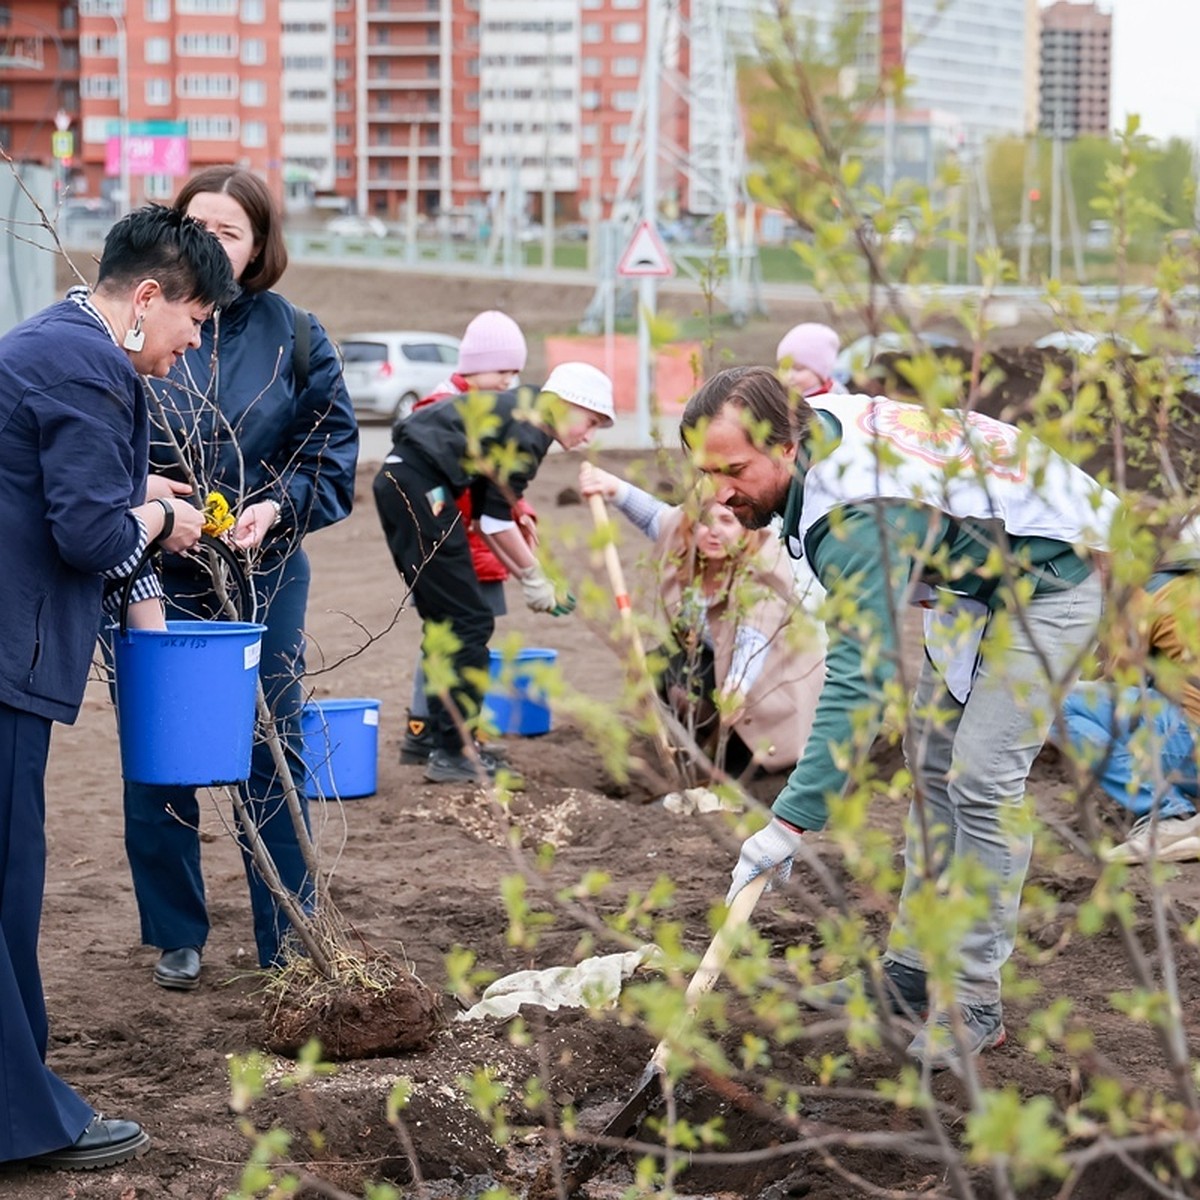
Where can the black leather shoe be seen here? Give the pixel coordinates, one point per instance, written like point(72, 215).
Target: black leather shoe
point(104, 1143)
point(179, 969)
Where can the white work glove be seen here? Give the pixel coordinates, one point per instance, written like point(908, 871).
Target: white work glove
point(540, 595)
point(538, 590)
point(771, 848)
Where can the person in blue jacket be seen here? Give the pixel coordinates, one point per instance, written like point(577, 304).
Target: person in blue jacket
point(269, 425)
point(74, 434)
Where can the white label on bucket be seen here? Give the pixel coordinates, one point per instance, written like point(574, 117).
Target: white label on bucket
point(370, 716)
point(252, 654)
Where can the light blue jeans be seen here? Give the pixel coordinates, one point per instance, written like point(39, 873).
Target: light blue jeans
point(1141, 746)
point(970, 763)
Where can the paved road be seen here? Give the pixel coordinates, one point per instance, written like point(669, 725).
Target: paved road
point(387, 255)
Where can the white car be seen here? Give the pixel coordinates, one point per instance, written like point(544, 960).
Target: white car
point(352, 226)
point(1080, 341)
point(387, 373)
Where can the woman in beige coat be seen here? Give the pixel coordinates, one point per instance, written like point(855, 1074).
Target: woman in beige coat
point(744, 661)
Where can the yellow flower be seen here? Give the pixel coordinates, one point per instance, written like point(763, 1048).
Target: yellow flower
point(218, 518)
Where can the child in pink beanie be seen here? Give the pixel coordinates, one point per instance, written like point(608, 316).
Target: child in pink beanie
point(491, 357)
point(492, 352)
point(806, 355)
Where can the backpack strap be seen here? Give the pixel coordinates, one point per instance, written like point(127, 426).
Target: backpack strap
point(301, 348)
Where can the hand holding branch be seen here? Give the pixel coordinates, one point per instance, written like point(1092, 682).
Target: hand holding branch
point(253, 524)
point(160, 487)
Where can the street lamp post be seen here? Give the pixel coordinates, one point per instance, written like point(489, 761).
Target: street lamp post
point(647, 285)
point(114, 10)
point(122, 105)
point(62, 125)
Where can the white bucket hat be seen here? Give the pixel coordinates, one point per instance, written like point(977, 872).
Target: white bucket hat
point(585, 386)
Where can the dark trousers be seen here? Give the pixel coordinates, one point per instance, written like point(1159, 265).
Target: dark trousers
point(38, 1111)
point(687, 686)
point(162, 824)
point(428, 541)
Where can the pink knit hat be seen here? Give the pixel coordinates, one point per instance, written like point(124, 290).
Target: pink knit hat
point(809, 345)
point(492, 342)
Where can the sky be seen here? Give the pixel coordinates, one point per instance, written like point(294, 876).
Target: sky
point(1155, 70)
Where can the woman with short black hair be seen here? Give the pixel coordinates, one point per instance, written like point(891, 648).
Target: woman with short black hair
point(74, 438)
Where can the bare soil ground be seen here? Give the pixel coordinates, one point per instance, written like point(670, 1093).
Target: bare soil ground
point(418, 871)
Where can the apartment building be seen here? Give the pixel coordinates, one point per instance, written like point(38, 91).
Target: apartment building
point(453, 103)
point(971, 61)
point(966, 58)
point(970, 68)
point(613, 38)
point(459, 101)
point(128, 96)
point(530, 96)
point(909, 144)
point(39, 77)
point(190, 82)
point(307, 35)
point(1076, 71)
point(392, 94)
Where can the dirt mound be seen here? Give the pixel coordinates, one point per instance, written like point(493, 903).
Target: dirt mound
point(1014, 381)
point(356, 1019)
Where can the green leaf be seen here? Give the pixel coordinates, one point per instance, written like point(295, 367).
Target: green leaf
point(1021, 1133)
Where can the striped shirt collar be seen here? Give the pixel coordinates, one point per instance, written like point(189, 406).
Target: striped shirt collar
point(82, 296)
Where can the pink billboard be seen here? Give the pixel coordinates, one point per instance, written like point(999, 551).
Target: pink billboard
point(148, 155)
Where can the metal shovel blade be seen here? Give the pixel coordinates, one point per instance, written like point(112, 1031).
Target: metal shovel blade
point(582, 1162)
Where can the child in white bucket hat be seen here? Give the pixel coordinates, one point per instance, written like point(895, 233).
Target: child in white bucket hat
point(585, 388)
point(435, 459)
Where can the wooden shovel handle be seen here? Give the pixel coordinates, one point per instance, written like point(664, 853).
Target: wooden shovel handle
point(717, 954)
point(616, 576)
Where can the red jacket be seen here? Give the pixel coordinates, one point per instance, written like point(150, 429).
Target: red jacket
point(488, 568)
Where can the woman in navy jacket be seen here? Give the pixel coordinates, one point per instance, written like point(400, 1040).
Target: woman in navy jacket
point(238, 416)
point(73, 507)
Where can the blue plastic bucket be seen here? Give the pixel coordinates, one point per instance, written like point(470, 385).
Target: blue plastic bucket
point(186, 701)
point(518, 706)
point(341, 747)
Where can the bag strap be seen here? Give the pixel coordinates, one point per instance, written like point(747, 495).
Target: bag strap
point(245, 600)
point(301, 348)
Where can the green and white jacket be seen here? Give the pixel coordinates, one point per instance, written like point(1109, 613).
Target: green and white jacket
point(892, 506)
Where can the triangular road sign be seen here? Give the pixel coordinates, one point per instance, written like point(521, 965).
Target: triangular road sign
point(645, 255)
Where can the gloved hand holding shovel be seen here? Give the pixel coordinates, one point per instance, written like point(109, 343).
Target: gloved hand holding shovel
point(768, 851)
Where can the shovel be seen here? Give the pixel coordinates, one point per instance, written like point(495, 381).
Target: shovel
point(581, 1163)
point(616, 579)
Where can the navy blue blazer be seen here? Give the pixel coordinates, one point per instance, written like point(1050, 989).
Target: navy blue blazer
point(73, 452)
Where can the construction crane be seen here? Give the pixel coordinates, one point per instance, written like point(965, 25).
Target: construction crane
point(713, 163)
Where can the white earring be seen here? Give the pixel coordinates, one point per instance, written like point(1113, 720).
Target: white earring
point(135, 338)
